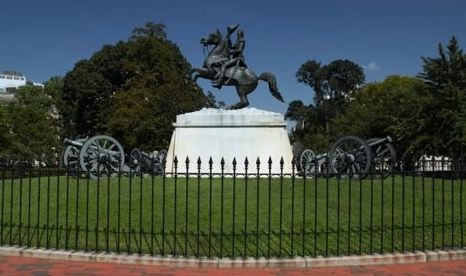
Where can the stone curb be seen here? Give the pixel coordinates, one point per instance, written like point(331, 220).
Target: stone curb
point(178, 262)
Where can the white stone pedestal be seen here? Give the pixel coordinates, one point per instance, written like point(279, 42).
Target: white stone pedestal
point(218, 133)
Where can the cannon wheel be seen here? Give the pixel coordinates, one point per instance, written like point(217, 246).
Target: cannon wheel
point(350, 157)
point(101, 155)
point(307, 162)
point(162, 157)
point(135, 160)
point(383, 158)
point(159, 164)
point(70, 157)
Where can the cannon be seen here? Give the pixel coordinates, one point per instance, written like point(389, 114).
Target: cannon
point(96, 156)
point(142, 162)
point(352, 157)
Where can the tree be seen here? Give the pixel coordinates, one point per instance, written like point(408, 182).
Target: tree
point(6, 139)
point(32, 126)
point(334, 85)
point(131, 90)
point(89, 88)
point(338, 80)
point(383, 109)
point(440, 126)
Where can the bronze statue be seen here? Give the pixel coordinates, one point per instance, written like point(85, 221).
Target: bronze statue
point(225, 65)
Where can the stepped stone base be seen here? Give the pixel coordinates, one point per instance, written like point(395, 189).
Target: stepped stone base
point(216, 133)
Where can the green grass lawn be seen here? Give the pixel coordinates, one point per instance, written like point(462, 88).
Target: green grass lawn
point(234, 218)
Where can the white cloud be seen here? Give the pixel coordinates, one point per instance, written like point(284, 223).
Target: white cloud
point(372, 66)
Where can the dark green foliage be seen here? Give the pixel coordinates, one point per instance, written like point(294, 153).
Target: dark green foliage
point(338, 80)
point(31, 128)
point(131, 90)
point(383, 109)
point(441, 125)
point(6, 139)
point(424, 116)
point(334, 85)
point(86, 97)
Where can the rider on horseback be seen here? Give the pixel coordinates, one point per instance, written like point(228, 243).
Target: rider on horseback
point(236, 59)
point(219, 62)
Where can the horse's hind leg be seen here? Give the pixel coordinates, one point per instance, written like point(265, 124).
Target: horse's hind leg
point(243, 99)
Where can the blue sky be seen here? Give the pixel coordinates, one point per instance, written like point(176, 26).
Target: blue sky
point(46, 38)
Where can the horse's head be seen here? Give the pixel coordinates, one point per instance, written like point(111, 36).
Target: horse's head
point(212, 39)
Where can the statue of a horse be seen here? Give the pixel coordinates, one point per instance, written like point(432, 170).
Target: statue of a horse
point(244, 79)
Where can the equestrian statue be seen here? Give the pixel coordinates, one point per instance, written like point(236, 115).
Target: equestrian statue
point(225, 65)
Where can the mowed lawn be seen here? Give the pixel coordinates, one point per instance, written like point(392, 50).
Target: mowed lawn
point(233, 217)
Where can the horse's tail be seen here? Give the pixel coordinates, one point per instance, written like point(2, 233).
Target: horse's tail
point(272, 81)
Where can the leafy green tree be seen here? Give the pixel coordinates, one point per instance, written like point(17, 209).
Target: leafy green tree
point(334, 85)
point(383, 109)
point(6, 138)
point(86, 98)
point(131, 90)
point(32, 126)
point(441, 124)
point(338, 80)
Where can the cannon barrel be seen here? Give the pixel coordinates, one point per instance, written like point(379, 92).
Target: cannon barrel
point(387, 139)
point(69, 142)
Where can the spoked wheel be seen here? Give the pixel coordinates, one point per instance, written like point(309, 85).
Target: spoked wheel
point(135, 160)
point(307, 162)
point(70, 158)
point(162, 156)
point(159, 162)
point(350, 157)
point(383, 158)
point(101, 155)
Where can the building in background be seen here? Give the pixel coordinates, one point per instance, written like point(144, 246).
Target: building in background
point(10, 81)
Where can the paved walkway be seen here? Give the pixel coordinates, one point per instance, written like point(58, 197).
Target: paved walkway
point(38, 267)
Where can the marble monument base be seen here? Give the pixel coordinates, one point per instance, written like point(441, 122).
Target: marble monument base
point(216, 133)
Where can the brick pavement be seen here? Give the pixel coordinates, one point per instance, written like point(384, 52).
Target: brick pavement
point(38, 267)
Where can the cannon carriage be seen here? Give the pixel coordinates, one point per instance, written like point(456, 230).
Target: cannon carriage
point(142, 162)
point(351, 157)
point(103, 155)
point(96, 156)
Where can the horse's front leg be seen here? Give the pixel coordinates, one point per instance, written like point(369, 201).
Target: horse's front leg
point(196, 73)
point(193, 74)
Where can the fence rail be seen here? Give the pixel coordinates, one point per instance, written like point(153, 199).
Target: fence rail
point(252, 214)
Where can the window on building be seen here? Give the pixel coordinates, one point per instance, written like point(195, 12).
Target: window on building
point(2, 77)
point(8, 77)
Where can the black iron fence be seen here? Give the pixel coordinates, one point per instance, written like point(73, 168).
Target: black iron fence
point(248, 214)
